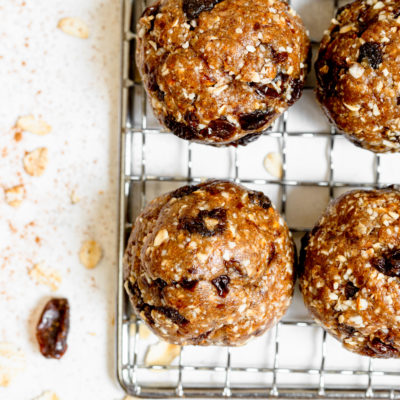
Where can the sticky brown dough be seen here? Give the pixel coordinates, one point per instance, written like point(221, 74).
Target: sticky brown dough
point(220, 72)
point(351, 272)
point(358, 73)
point(210, 264)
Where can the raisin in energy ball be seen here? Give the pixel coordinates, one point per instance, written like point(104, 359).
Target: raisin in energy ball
point(221, 71)
point(351, 276)
point(358, 73)
point(210, 264)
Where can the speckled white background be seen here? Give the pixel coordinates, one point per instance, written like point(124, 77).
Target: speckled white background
point(74, 85)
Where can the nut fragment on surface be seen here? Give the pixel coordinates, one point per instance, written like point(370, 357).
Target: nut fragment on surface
point(161, 353)
point(47, 396)
point(74, 27)
point(273, 164)
point(90, 254)
point(34, 125)
point(12, 362)
point(45, 276)
point(35, 162)
point(74, 197)
point(15, 195)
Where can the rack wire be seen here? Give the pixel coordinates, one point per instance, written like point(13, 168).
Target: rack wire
point(278, 378)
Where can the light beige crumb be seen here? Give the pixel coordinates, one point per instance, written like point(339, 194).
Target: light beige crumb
point(47, 396)
point(29, 123)
point(273, 164)
point(36, 161)
point(144, 332)
point(74, 27)
point(74, 197)
point(15, 195)
point(90, 254)
point(45, 276)
point(12, 362)
point(161, 353)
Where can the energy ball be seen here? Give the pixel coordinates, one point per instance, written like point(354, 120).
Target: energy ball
point(210, 264)
point(351, 276)
point(220, 72)
point(358, 74)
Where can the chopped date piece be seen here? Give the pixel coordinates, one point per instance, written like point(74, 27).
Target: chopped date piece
point(160, 283)
point(151, 11)
point(198, 224)
point(180, 129)
point(265, 90)
point(371, 51)
point(388, 264)
point(346, 329)
point(297, 87)
point(221, 283)
point(189, 284)
point(341, 9)
point(173, 315)
point(52, 328)
point(382, 349)
point(260, 199)
point(398, 101)
point(221, 128)
point(255, 119)
point(193, 8)
point(184, 191)
point(350, 290)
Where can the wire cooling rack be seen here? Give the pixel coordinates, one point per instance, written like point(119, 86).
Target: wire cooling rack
point(296, 359)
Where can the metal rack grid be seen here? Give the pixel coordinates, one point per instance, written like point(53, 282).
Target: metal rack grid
point(133, 197)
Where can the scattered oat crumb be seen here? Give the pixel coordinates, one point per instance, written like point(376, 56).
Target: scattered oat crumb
point(74, 197)
point(15, 195)
point(47, 396)
point(144, 332)
point(92, 333)
point(273, 164)
point(30, 124)
point(45, 276)
point(12, 361)
point(161, 353)
point(74, 27)
point(90, 254)
point(36, 161)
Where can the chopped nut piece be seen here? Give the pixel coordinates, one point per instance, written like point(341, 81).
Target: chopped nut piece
point(47, 396)
point(45, 276)
point(352, 107)
point(356, 70)
point(15, 195)
point(161, 353)
point(90, 254)
point(144, 331)
point(36, 161)
point(12, 361)
point(74, 27)
point(30, 124)
point(273, 164)
point(74, 197)
point(161, 237)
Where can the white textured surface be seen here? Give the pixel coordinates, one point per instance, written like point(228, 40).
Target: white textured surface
point(73, 84)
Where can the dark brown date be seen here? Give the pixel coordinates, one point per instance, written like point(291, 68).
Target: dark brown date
point(52, 328)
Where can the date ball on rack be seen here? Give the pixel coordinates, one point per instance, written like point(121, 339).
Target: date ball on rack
point(210, 264)
point(351, 276)
point(358, 73)
point(221, 71)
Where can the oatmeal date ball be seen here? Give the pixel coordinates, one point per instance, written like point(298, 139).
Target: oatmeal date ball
point(351, 276)
point(210, 264)
point(358, 73)
point(221, 71)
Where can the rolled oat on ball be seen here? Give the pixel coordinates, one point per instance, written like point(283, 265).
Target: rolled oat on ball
point(210, 264)
point(350, 271)
point(220, 72)
point(358, 73)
